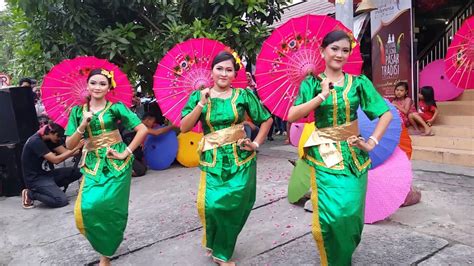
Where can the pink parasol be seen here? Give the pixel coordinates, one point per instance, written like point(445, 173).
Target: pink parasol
point(460, 56)
point(290, 54)
point(66, 85)
point(434, 75)
point(296, 130)
point(388, 186)
point(184, 69)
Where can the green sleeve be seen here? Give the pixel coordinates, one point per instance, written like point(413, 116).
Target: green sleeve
point(255, 109)
point(73, 122)
point(128, 118)
point(308, 90)
point(371, 102)
point(192, 102)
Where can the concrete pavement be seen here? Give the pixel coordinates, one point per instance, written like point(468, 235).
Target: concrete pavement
point(164, 229)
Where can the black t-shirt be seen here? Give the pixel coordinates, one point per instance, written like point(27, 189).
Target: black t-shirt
point(35, 167)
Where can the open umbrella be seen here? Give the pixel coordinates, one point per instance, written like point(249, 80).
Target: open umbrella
point(405, 142)
point(296, 130)
point(390, 139)
point(290, 54)
point(434, 75)
point(300, 181)
point(387, 187)
point(460, 56)
point(66, 85)
point(184, 69)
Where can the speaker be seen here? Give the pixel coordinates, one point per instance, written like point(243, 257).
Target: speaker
point(18, 120)
point(11, 176)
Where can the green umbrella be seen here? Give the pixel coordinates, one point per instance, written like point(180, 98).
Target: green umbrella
point(300, 181)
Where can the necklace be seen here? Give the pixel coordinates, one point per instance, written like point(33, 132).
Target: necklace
point(219, 93)
point(337, 82)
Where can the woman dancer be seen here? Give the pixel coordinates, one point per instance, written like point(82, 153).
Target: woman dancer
point(228, 159)
point(335, 151)
point(101, 208)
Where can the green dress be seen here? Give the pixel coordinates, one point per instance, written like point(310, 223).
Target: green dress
point(228, 174)
point(101, 209)
point(338, 192)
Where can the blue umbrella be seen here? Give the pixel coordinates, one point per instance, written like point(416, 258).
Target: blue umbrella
point(389, 141)
point(160, 151)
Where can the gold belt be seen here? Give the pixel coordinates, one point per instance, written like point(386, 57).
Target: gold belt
point(103, 140)
point(325, 138)
point(222, 137)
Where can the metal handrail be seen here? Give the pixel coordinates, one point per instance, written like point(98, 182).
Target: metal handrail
point(438, 48)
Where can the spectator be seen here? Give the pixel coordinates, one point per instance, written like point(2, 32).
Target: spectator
point(43, 183)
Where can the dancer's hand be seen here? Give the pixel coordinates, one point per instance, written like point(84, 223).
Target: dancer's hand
point(325, 87)
point(360, 143)
point(87, 116)
point(113, 154)
point(246, 144)
point(205, 94)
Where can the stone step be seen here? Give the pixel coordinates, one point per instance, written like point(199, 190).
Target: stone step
point(467, 95)
point(446, 156)
point(453, 131)
point(455, 120)
point(456, 108)
point(443, 142)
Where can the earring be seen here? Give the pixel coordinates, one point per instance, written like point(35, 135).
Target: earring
point(322, 55)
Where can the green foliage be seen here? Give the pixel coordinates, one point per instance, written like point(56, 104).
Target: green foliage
point(134, 34)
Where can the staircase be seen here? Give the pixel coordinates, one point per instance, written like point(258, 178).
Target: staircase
point(453, 142)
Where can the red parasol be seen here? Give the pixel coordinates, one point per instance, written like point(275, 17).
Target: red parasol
point(184, 69)
point(290, 54)
point(66, 85)
point(460, 56)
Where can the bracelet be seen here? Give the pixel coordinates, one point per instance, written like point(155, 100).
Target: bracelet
point(200, 104)
point(129, 150)
point(78, 131)
point(321, 96)
point(256, 144)
point(374, 139)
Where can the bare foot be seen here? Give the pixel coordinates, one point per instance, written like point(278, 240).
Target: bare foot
point(208, 252)
point(104, 261)
point(428, 133)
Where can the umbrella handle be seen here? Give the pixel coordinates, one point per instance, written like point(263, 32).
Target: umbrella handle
point(331, 85)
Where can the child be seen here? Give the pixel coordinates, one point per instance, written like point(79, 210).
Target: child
point(402, 102)
point(427, 111)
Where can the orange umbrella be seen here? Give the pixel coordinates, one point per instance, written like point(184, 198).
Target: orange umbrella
point(405, 142)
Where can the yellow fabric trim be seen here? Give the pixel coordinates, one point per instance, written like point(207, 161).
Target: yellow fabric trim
point(120, 168)
point(78, 209)
point(234, 106)
point(214, 159)
point(334, 107)
point(208, 115)
point(356, 160)
point(101, 115)
point(346, 98)
point(316, 226)
point(236, 156)
point(221, 137)
point(201, 205)
point(96, 167)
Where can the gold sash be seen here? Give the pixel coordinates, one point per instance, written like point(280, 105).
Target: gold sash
point(103, 140)
point(222, 137)
point(325, 138)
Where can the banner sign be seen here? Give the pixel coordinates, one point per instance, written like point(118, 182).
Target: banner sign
point(392, 42)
